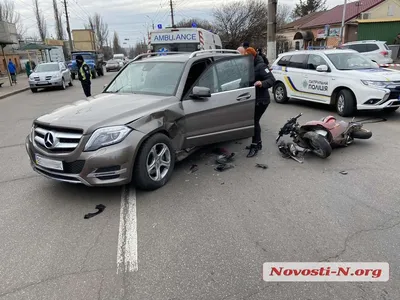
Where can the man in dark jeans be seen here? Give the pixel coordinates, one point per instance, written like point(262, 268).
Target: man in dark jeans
point(84, 75)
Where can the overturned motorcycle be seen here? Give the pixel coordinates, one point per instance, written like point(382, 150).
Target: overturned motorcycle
point(319, 137)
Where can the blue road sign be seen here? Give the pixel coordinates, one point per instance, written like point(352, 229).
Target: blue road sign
point(159, 26)
point(194, 25)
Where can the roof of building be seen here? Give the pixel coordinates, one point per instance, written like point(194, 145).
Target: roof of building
point(383, 20)
point(303, 20)
point(334, 15)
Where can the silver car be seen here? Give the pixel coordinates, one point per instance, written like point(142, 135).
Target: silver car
point(155, 112)
point(50, 75)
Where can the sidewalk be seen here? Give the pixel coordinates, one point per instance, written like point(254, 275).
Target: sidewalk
point(22, 85)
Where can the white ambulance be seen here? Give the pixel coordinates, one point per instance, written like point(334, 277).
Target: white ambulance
point(183, 40)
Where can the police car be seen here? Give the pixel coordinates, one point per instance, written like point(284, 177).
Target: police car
point(343, 78)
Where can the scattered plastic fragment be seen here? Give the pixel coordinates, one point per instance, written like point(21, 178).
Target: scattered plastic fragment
point(194, 168)
point(225, 158)
point(223, 167)
point(100, 209)
point(262, 166)
point(343, 172)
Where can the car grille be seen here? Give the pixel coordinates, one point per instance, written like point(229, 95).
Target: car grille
point(36, 78)
point(57, 140)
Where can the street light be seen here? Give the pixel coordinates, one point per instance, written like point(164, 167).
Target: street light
point(152, 21)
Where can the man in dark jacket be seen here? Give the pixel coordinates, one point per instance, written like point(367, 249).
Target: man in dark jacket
point(84, 75)
point(263, 56)
point(263, 81)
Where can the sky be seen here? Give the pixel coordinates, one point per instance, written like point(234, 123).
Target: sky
point(129, 18)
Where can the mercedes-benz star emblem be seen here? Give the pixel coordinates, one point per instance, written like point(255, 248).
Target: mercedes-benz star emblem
point(49, 140)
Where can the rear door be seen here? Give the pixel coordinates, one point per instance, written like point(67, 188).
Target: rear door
point(296, 77)
point(228, 114)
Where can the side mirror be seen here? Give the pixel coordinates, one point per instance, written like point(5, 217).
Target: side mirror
point(200, 92)
point(322, 68)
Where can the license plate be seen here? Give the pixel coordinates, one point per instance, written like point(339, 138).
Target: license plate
point(43, 82)
point(49, 163)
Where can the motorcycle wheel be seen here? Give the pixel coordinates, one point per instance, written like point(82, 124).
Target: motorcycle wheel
point(318, 144)
point(362, 134)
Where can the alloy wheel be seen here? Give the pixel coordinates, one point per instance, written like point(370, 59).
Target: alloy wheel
point(158, 161)
point(279, 93)
point(340, 103)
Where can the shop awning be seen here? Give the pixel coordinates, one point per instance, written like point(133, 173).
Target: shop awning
point(304, 35)
point(33, 46)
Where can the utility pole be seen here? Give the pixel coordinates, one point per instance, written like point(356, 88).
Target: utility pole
point(343, 19)
point(71, 48)
point(271, 30)
point(172, 13)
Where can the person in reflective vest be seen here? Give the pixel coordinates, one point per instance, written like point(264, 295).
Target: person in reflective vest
point(84, 75)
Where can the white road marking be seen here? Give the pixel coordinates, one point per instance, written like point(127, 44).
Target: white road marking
point(127, 257)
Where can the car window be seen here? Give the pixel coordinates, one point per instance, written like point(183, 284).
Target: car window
point(314, 61)
point(298, 61)
point(233, 74)
point(359, 47)
point(284, 61)
point(351, 61)
point(47, 68)
point(386, 47)
point(153, 78)
point(209, 80)
point(228, 75)
point(372, 47)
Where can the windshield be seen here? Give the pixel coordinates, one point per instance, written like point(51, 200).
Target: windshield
point(184, 47)
point(85, 56)
point(351, 61)
point(47, 68)
point(153, 78)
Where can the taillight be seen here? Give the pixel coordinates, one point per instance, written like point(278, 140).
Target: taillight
point(384, 53)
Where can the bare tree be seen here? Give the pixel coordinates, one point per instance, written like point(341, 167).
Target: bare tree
point(40, 21)
point(8, 14)
point(116, 45)
point(283, 15)
point(242, 21)
point(58, 19)
point(100, 27)
point(200, 23)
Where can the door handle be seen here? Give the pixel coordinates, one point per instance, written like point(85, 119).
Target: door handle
point(243, 97)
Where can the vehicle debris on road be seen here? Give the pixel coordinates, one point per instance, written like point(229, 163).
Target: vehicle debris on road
point(194, 168)
point(223, 167)
point(262, 166)
point(100, 209)
point(225, 158)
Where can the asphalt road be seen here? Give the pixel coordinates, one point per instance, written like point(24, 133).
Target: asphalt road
point(206, 234)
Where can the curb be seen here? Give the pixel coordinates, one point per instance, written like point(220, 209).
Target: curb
point(14, 93)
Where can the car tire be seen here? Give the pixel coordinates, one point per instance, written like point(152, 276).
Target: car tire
point(63, 86)
point(73, 76)
point(94, 74)
point(280, 94)
point(70, 83)
point(34, 90)
point(147, 180)
point(390, 109)
point(345, 103)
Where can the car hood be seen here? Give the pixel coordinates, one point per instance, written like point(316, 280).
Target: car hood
point(104, 110)
point(44, 74)
point(380, 74)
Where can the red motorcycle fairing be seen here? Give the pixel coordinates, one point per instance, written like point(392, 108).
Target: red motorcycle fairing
point(331, 124)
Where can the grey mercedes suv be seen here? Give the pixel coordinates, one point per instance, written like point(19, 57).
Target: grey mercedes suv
point(156, 111)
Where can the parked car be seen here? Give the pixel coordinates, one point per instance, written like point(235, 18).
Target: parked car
point(113, 65)
point(50, 75)
point(343, 78)
point(377, 51)
point(153, 113)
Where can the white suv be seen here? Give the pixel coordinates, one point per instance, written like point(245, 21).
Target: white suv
point(377, 51)
point(343, 78)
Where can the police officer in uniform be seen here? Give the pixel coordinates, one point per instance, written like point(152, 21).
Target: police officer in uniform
point(84, 75)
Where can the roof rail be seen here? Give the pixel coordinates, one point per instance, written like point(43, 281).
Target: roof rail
point(140, 56)
point(194, 54)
